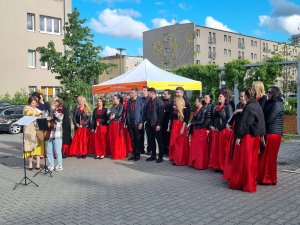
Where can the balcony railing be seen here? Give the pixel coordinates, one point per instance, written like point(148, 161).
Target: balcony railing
point(241, 45)
point(212, 55)
point(212, 40)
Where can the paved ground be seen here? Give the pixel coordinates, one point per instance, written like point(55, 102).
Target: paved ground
point(92, 191)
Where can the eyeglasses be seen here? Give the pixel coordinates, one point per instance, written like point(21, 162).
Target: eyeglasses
point(269, 92)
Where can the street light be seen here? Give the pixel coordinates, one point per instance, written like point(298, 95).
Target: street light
point(120, 50)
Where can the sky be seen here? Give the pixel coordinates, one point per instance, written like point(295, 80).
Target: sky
point(120, 23)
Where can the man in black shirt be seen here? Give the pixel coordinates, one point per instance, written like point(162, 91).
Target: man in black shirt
point(153, 116)
point(168, 107)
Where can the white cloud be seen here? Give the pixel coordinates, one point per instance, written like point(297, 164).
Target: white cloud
point(108, 51)
point(285, 16)
point(119, 23)
point(183, 6)
point(258, 32)
point(159, 3)
point(161, 22)
point(213, 23)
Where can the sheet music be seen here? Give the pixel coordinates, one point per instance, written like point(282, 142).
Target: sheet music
point(25, 120)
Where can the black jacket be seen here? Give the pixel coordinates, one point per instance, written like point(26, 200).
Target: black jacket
point(134, 113)
point(186, 114)
point(262, 101)
point(209, 110)
point(274, 113)
point(168, 108)
point(66, 126)
point(118, 111)
point(252, 121)
point(200, 120)
point(103, 118)
point(154, 112)
point(81, 118)
point(220, 118)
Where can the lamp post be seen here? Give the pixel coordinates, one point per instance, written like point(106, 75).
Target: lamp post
point(120, 50)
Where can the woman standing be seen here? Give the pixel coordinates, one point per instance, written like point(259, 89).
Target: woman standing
point(32, 146)
point(66, 128)
point(179, 149)
point(81, 120)
point(116, 136)
point(199, 155)
point(54, 144)
point(273, 111)
point(219, 143)
point(248, 132)
point(260, 93)
point(43, 105)
point(99, 126)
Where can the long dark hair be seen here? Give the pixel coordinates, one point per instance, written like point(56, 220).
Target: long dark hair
point(276, 93)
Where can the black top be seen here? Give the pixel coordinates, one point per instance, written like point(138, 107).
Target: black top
point(154, 112)
point(174, 115)
point(81, 118)
point(262, 101)
point(44, 107)
point(99, 116)
point(200, 119)
point(66, 126)
point(117, 110)
point(221, 116)
point(252, 121)
point(209, 109)
point(168, 108)
point(274, 113)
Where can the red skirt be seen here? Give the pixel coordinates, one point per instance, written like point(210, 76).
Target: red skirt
point(225, 139)
point(214, 150)
point(127, 140)
point(199, 155)
point(179, 146)
point(116, 140)
point(65, 149)
point(80, 142)
point(91, 143)
point(245, 164)
point(228, 149)
point(267, 161)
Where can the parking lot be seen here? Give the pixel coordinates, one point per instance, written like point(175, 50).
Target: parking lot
point(90, 191)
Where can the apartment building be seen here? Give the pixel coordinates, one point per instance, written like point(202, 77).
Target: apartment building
point(125, 62)
point(183, 44)
point(26, 25)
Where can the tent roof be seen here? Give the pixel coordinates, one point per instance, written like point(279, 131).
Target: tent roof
point(144, 73)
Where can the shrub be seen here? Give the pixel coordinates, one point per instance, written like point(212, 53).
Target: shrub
point(290, 106)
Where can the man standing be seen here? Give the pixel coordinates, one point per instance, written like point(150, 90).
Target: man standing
point(134, 119)
point(153, 116)
point(168, 107)
point(145, 100)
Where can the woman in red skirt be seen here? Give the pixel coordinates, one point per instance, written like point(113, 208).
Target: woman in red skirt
point(179, 149)
point(116, 131)
point(199, 155)
point(219, 135)
point(248, 132)
point(231, 125)
point(125, 126)
point(99, 128)
point(273, 111)
point(81, 120)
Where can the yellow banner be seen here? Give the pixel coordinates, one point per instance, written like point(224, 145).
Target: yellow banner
point(172, 85)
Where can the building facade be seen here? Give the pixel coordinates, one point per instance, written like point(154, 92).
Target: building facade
point(184, 44)
point(26, 25)
point(122, 65)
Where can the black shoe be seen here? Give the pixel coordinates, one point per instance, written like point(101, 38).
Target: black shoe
point(97, 157)
point(148, 153)
point(151, 158)
point(30, 168)
point(83, 156)
point(64, 156)
point(143, 152)
point(137, 158)
point(159, 160)
point(131, 157)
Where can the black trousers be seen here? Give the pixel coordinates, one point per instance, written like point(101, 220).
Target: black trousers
point(152, 135)
point(165, 136)
point(136, 139)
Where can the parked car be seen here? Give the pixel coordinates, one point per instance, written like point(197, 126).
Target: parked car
point(4, 104)
point(8, 116)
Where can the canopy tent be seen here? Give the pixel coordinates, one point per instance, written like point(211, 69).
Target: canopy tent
point(146, 74)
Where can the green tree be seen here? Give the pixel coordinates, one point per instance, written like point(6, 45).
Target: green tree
point(207, 74)
point(79, 66)
point(235, 71)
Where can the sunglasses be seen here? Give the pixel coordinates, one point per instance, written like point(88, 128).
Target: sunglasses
point(270, 92)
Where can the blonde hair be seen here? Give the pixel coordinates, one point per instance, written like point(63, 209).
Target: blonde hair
point(86, 107)
point(259, 88)
point(180, 105)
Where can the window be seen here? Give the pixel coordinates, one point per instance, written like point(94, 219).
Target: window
point(44, 65)
point(252, 56)
point(229, 39)
point(255, 56)
point(255, 43)
point(197, 61)
point(49, 25)
point(32, 89)
point(19, 111)
point(165, 66)
point(225, 38)
point(229, 52)
point(31, 59)
point(198, 32)
point(198, 48)
point(167, 37)
point(167, 51)
point(30, 22)
point(9, 112)
point(252, 43)
point(225, 52)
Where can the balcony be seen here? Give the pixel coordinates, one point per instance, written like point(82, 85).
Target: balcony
point(212, 55)
point(211, 40)
point(241, 46)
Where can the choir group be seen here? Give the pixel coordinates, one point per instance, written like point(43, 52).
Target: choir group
point(241, 144)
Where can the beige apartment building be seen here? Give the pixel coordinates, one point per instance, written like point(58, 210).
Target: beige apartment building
point(26, 25)
point(183, 44)
point(122, 65)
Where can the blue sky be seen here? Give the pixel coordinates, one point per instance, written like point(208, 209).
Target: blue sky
point(120, 23)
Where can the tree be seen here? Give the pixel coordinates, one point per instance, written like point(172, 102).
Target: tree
point(79, 65)
point(207, 74)
point(235, 72)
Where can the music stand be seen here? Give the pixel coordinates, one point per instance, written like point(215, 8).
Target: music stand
point(43, 125)
point(25, 121)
